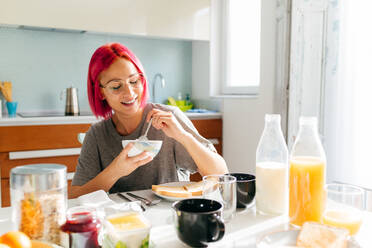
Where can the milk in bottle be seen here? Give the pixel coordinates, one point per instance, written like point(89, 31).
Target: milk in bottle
point(272, 169)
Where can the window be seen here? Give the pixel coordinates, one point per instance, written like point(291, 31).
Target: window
point(235, 42)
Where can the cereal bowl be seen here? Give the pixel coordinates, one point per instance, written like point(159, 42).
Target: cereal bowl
point(150, 146)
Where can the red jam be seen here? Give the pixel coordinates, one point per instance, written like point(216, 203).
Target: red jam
point(83, 227)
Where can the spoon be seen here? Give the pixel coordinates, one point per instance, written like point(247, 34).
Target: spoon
point(144, 136)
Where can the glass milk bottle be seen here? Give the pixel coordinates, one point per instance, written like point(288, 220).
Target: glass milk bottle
point(272, 169)
point(306, 174)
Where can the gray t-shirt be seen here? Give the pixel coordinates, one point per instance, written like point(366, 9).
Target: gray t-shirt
point(102, 144)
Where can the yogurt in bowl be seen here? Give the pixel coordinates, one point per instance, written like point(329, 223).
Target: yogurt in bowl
point(150, 146)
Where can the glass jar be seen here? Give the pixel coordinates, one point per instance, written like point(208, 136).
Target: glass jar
point(307, 174)
point(39, 200)
point(272, 169)
point(83, 227)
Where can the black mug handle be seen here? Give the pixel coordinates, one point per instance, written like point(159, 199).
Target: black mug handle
point(216, 228)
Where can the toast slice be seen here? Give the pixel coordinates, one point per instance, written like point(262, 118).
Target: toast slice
point(315, 235)
point(191, 189)
point(195, 188)
point(172, 191)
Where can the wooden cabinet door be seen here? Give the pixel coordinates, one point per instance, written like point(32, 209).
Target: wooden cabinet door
point(5, 193)
point(209, 129)
point(40, 137)
point(6, 164)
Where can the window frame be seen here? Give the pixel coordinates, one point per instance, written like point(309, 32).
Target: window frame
point(220, 50)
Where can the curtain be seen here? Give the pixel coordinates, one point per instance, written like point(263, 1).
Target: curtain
point(348, 95)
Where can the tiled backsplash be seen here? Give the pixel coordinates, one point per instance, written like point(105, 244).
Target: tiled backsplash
point(40, 64)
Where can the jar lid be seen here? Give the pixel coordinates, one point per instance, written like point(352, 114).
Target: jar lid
point(38, 177)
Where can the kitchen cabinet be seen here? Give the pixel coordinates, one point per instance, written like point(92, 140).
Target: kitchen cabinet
point(184, 19)
point(31, 144)
point(22, 145)
point(210, 129)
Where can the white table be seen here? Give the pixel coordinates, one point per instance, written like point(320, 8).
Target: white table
point(242, 231)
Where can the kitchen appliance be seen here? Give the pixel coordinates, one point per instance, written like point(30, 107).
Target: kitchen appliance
point(72, 102)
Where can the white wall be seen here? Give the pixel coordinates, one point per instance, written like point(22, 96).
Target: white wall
point(200, 77)
point(243, 119)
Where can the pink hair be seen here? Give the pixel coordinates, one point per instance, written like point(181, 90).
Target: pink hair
point(102, 58)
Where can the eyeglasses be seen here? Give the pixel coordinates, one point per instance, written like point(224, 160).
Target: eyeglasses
point(116, 86)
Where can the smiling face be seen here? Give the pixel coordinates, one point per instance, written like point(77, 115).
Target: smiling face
point(122, 88)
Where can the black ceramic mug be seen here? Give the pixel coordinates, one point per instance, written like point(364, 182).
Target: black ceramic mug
point(245, 189)
point(198, 221)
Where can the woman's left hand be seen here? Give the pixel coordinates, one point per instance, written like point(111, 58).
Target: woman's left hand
point(167, 122)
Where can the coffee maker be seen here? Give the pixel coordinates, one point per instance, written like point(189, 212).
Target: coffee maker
point(72, 102)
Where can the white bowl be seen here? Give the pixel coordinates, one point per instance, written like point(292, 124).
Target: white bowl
point(151, 146)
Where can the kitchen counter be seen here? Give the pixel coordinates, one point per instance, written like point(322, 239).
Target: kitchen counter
point(21, 121)
point(209, 115)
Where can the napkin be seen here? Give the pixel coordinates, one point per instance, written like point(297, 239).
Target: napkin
point(101, 201)
point(95, 199)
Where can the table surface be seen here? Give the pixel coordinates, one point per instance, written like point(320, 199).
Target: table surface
point(242, 231)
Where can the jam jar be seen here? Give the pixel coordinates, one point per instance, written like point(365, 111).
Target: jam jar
point(83, 227)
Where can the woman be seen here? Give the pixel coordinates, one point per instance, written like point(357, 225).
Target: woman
point(118, 92)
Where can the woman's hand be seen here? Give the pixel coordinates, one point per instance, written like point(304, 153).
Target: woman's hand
point(124, 165)
point(121, 166)
point(166, 122)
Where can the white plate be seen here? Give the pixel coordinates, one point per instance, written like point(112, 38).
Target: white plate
point(170, 198)
point(288, 239)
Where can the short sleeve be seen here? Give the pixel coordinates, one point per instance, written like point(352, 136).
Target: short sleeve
point(88, 166)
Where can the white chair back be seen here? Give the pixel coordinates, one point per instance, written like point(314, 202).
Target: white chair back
point(81, 137)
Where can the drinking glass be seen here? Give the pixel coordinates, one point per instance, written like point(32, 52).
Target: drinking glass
point(221, 188)
point(12, 108)
point(344, 206)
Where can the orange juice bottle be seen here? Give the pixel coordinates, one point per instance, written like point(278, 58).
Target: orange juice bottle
point(307, 168)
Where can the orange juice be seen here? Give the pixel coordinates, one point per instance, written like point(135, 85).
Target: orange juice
point(306, 189)
point(344, 219)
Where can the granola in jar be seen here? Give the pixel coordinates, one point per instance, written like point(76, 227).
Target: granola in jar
point(39, 201)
